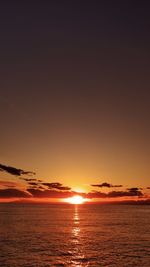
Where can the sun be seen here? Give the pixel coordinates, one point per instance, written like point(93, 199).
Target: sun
point(75, 200)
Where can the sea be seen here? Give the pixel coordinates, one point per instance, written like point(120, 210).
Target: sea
point(96, 235)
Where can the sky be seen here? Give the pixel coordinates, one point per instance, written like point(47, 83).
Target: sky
point(74, 94)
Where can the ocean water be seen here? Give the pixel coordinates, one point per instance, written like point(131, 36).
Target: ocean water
point(44, 235)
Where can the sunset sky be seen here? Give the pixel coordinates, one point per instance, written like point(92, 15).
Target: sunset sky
point(75, 98)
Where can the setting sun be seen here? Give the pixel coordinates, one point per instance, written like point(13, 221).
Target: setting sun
point(75, 200)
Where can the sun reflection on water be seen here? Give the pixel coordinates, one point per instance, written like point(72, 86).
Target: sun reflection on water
point(78, 255)
point(76, 215)
point(76, 227)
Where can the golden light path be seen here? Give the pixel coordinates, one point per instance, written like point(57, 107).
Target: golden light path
point(75, 200)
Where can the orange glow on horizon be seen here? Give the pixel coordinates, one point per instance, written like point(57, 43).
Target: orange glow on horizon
point(75, 200)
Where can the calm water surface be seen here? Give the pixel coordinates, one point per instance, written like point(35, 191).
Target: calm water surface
point(67, 235)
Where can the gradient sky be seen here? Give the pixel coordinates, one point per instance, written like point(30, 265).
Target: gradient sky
point(75, 91)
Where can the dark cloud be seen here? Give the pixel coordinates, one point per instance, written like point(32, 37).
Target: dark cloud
point(13, 193)
point(40, 187)
point(106, 185)
point(64, 188)
point(37, 183)
point(33, 183)
point(57, 186)
point(52, 193)
point(52, 185)
point(133, 189)
point(49, 193)
point(14, 171)
point(148, 187)
point(129, 193)
point(29, 179)
point(8, 184)
point(114, 194)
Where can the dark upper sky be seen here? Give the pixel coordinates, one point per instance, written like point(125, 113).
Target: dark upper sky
point(75, 89)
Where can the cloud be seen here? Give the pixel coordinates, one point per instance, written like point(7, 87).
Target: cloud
point(131, 192)
point(14, 171)
point(135, 191)
point(148, 187)
point(13, 193)
point(53, 193)
point(49, 193)
point(105, 184)
point(57, 186)
point(39, 184)
point(33, 183)
point(40, 187)
point(29, 179)
point(8, 184)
